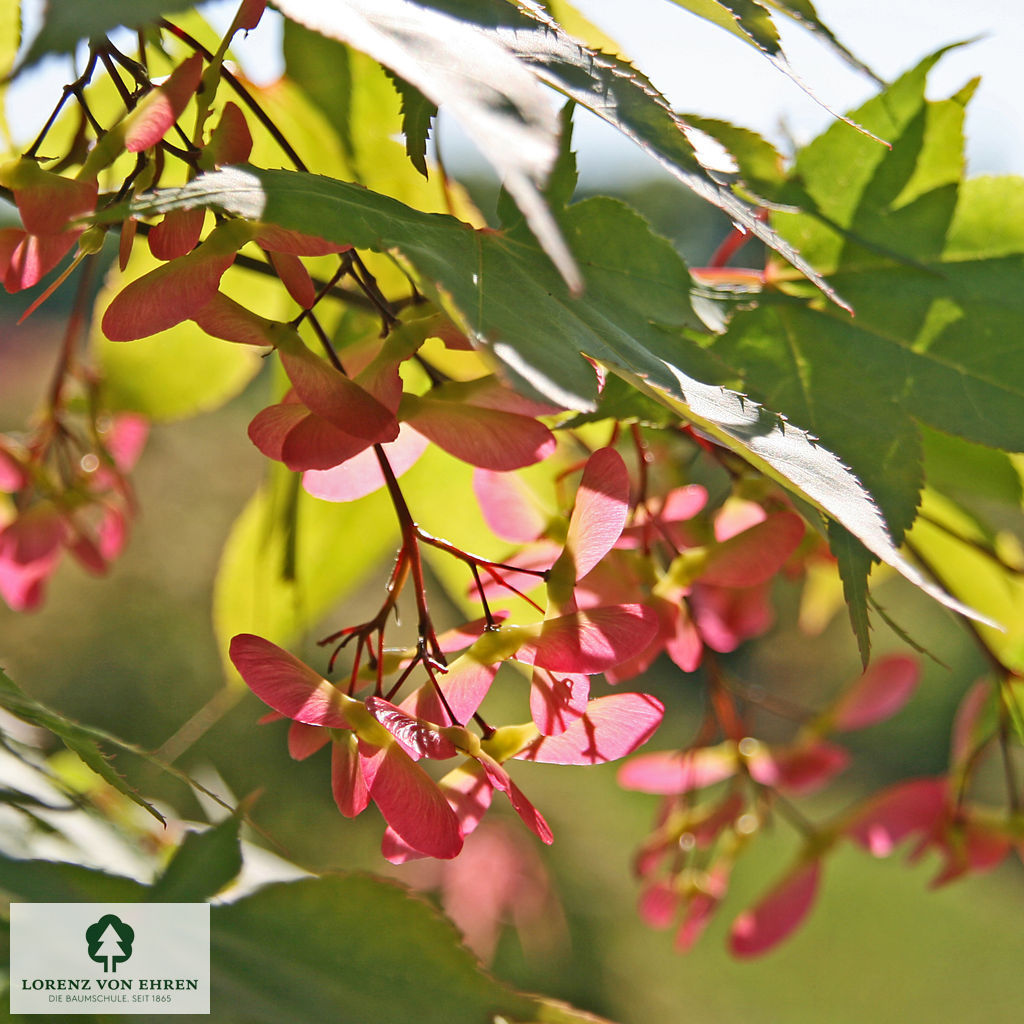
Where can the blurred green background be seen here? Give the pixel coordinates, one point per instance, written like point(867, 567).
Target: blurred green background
point(135, 654)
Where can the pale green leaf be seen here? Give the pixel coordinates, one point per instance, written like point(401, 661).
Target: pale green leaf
point(10, 34)
point(982, 480)
point(10, 40)
point(290, 558)
point(945, 539)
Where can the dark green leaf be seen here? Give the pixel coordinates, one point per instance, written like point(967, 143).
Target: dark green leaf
point(67, 22)
point(417, 114)
point(43, 881)
point(621, 95)
point(202, 865)
point(478, 80)
point(744, 18)
point(349, 949)
point(512, 303)
point(854, 566)
point(359, 951)
point(759, 163)
point(561, 184)
point(80, 739)
point(818, 372)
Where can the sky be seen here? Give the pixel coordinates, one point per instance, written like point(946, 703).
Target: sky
point(703, 70)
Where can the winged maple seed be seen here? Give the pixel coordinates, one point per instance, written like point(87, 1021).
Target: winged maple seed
point(49, 205)
point(376, 743)
point(86, 511)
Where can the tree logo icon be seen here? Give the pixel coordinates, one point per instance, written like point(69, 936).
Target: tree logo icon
point(110, 942)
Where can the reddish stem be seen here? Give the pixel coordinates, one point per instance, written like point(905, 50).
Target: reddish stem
point(733, 242)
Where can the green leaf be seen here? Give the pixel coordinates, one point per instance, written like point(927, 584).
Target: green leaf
point(746, 19)
point(937, 338)
point(561, 183)
point(760, 165)
point(514, 305)
point(854, 563)
point(618, 93)
point(817, 371)
point(202, 865)
point(947, 541)
point(608, 86)
point(485, 88)
point(350, 949)
point(751, 22)
point(356, 98)
point(10, 35)
point(67, 22)
point(290, 558)
point(322, 68)
point(80, 739)
point(854, 190)
point(359, 950)
point(41, 881)
point(417, 114)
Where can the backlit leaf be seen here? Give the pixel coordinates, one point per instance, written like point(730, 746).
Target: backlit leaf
point(515, 306)
point(937, 335)
point(485, 88)
point(283, 565)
